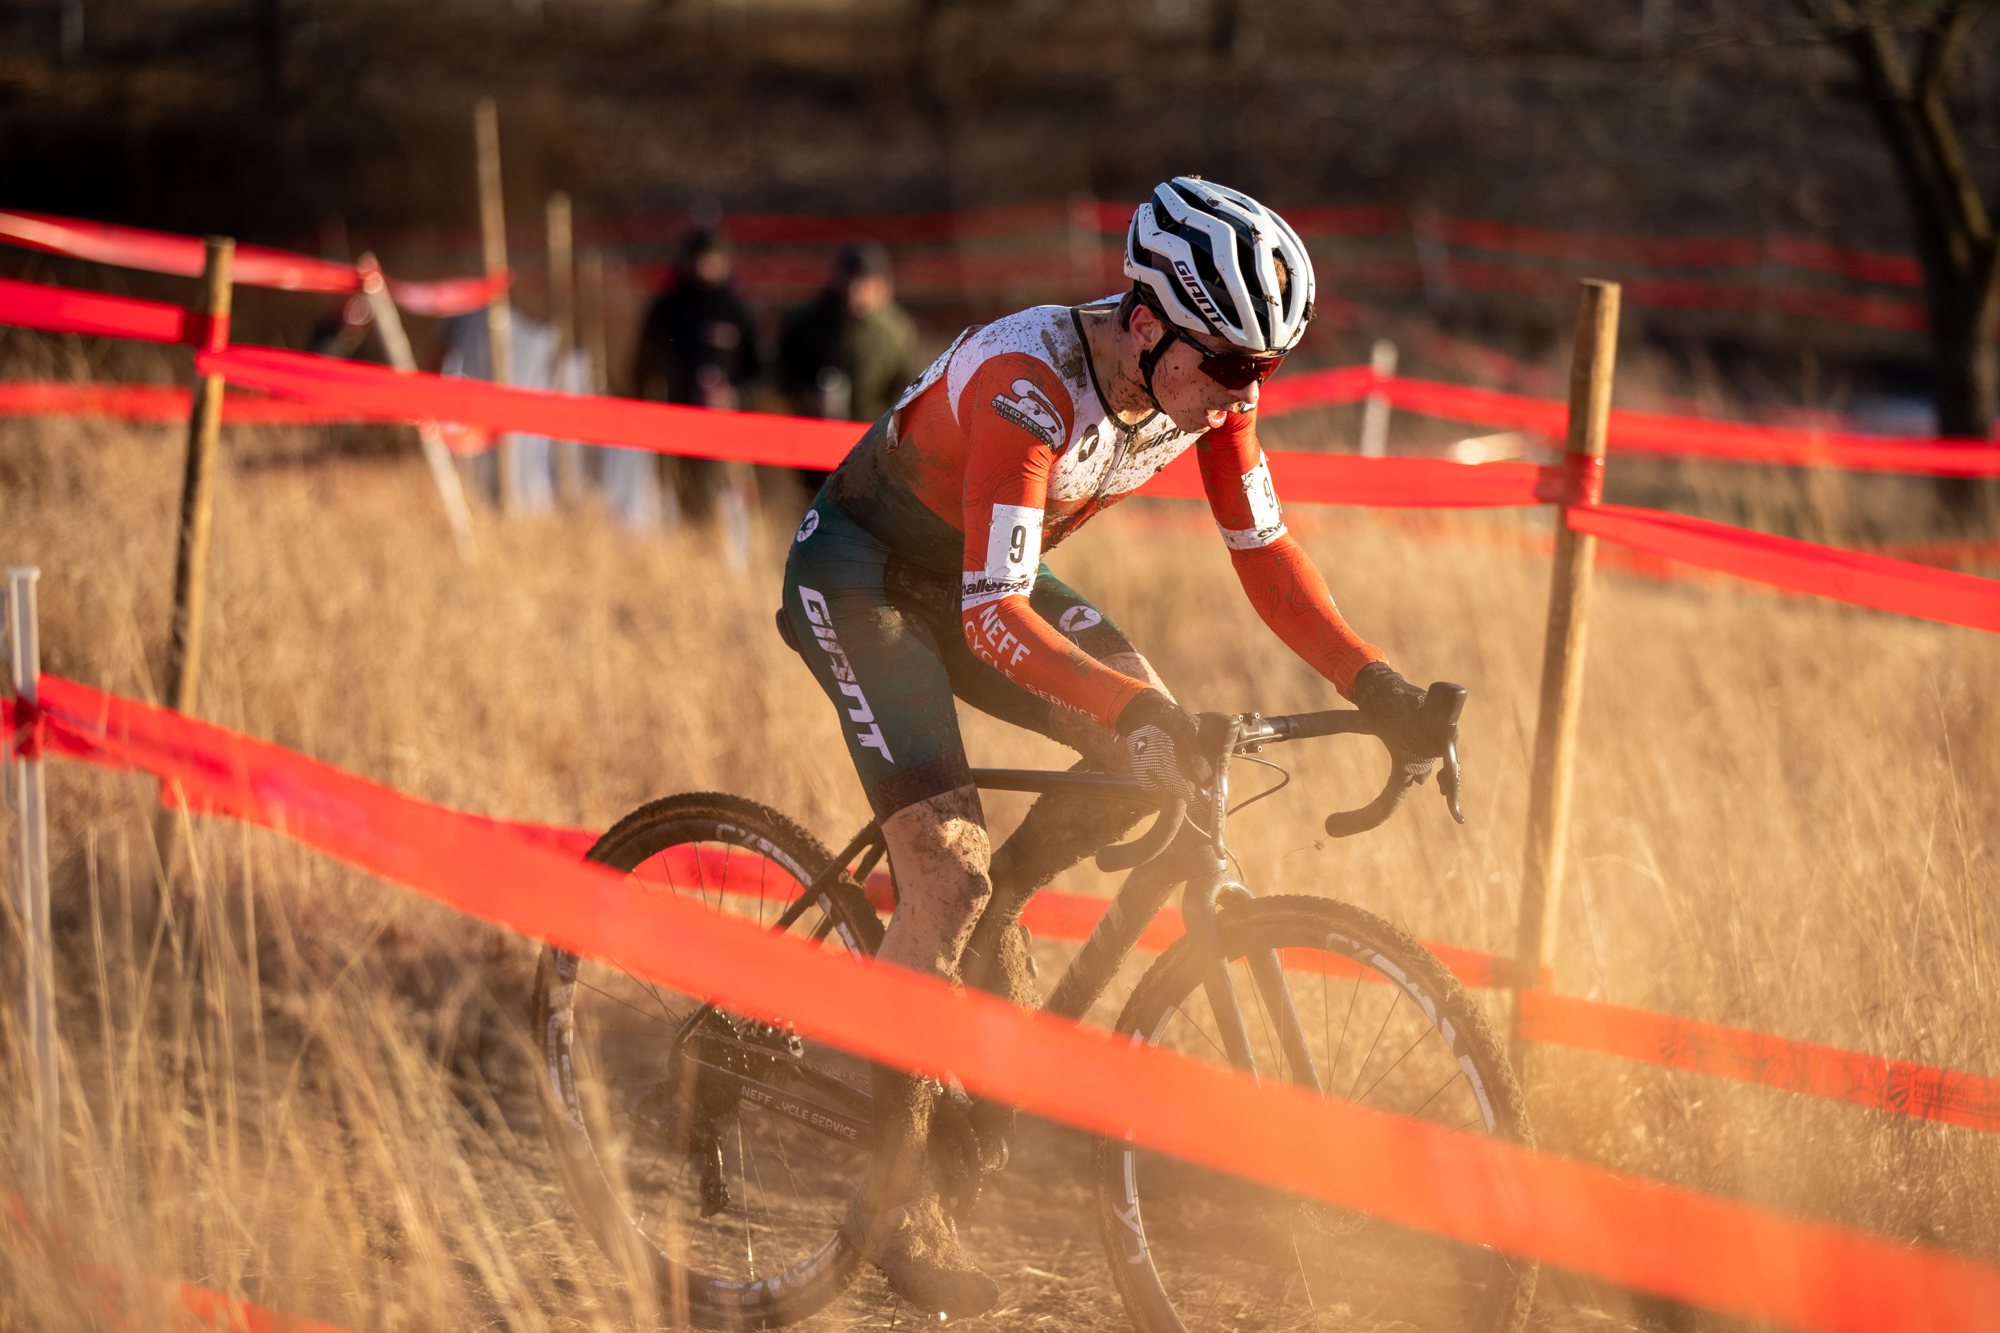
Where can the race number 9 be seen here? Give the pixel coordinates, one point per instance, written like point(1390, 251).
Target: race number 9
point(1013, 548)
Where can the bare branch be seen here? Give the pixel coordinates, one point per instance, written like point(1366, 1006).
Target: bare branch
point(1942, 41)
point(1960, 196)
point(1882, 56)
point(1836, 18)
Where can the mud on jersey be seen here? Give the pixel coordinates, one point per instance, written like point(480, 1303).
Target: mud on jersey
point(1005, 447)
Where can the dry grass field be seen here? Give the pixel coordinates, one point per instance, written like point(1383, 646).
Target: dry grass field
point(310, 1088)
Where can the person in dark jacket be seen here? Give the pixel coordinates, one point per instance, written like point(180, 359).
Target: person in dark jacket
point(699, 347)
point(847, 354)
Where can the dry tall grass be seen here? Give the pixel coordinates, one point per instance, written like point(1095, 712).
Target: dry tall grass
point(306, 1087)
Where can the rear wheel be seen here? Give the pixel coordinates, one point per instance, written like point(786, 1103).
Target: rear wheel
point(1385, 1025)
point(712, 1155)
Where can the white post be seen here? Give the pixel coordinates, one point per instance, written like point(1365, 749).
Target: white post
point(41, 1146)
point(388, 323)
point(1375, 411)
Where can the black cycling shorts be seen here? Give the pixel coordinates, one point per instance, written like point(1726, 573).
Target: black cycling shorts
point(883, 638)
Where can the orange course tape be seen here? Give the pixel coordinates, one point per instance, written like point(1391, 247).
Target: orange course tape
point(378, 392)
point(154, 403)
point(1784, 562)
point(1674, 1242)
point(1641, 432)
point(252, 266)
point(1755, 1057)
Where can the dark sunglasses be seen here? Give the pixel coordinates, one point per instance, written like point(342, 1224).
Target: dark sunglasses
point(1239, 370)
point(1232, 370)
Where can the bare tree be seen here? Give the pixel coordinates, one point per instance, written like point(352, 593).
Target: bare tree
point(1908, 56)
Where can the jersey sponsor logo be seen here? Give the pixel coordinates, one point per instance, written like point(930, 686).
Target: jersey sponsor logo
point(1013, 553)
point(809, 527)
point(1031, 410)
point(843, 673)
point(1078, 619)
point(1087, 446)
point(997, 644)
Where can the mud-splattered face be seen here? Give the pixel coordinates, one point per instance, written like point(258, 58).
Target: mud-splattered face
point(1185, 393)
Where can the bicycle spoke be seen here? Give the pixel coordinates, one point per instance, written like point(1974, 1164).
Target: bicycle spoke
point(1363, 1067)
point(1353, 996)
point(672, 1017)
point(1213, 1045)
point(1454, 1077)
point(1421, 1034)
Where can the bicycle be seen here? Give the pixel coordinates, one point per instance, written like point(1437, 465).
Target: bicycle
point(718, 1153)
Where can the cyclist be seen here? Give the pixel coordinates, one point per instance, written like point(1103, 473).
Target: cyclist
point(917, 575)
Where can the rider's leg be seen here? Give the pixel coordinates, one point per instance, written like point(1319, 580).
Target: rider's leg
point(865, 654)
point(1058, 830)
point(939, 850)
point(940, 854)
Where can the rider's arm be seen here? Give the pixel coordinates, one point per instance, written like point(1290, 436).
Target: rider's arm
point(1016, 413)
point(1278, 575)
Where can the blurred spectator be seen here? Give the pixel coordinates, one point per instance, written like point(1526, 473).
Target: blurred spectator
point(698, 347)
point(848, 353)
point(468, 353)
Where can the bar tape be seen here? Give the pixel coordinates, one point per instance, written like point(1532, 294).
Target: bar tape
point(1784, 562)
point(1755, 1057)
point(1674, 1242)
point(253, 266)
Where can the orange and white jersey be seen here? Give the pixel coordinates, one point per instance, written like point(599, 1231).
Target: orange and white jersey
point(1008, 439)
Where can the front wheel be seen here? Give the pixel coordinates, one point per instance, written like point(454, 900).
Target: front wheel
point(711, 1154)
point(1385, 1025)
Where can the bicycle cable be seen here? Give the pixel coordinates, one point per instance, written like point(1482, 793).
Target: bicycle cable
point(1284, 781)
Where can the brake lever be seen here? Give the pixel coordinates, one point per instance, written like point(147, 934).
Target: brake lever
point(1448, 778)
point(1445, 702)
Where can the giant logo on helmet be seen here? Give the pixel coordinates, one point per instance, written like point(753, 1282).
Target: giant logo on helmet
point(1198, 291)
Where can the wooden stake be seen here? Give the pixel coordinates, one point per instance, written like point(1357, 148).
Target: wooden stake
point(183, 676)
point(499, 320)
point(590, 313)
point(388, 323)
point(198, 493)
point(562, 313)
point(1563, 648)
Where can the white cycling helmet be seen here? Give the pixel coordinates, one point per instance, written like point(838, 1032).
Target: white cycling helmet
point(1209, 256)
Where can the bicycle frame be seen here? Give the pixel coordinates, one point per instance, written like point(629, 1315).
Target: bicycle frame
point(1198, 859)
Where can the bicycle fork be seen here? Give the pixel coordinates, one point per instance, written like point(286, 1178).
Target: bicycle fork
point(1208, 889)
